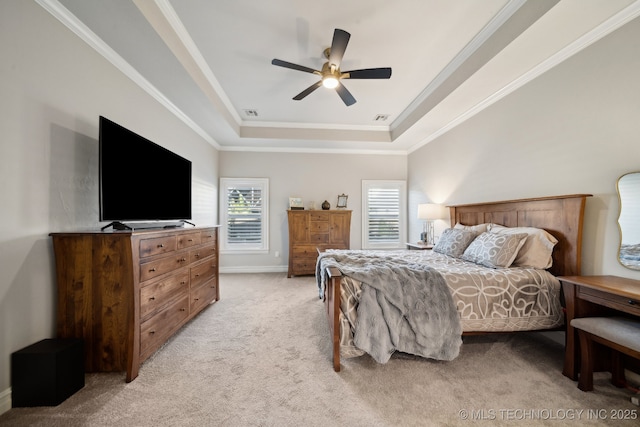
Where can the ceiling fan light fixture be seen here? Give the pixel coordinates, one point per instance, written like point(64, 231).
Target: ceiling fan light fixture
point(330, 82)
point(330, 75)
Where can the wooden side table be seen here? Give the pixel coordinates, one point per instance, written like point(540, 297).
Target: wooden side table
point(419, 246)
point(588, 296)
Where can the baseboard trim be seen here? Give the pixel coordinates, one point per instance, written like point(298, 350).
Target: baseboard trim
point(255, 269)
point(5, 401)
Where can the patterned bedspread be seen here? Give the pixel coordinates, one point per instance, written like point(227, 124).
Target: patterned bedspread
point(487, 300)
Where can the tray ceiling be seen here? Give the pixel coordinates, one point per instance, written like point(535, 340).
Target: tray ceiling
point(210, 62)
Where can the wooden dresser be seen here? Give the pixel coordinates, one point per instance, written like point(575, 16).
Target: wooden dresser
point(126, 292)
point(310, 230)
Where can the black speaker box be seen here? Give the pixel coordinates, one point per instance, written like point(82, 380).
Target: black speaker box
point(47, 373)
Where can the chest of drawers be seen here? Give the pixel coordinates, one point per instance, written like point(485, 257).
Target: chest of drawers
point(312, 230)
point(126, 292)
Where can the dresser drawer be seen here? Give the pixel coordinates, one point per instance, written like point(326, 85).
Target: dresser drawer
point(158, 267)
point(616, 302)
point(318, 216)
point(203, 296)
point(200, 273)
point(155, 330)
point(189, 239)
point(304, 266)
point(319, 238)
point(319, 227)
point(305, 251)
point(208, 237)
point(156, 295)
point(201, 253)
point(157, 246)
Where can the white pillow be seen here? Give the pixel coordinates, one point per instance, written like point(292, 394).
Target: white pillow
point(478, 229)
point(494, 250)
point(537, 249)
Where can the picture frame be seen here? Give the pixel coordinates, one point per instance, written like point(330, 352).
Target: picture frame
point(296, 203)
point(342, 201)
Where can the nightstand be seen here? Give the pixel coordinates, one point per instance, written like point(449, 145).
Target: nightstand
point(419, 246)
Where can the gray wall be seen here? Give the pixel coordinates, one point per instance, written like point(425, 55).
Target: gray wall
point(574, 129)
point(313, 177)
point(53, 87)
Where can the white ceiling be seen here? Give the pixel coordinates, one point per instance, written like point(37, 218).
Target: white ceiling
point(209, 61)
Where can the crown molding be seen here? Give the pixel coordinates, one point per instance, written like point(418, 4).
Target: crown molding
point(69, 20)
point(607, 27)
point(316, 150)
point(381, 134)
point(177, 38)
point(503, 16)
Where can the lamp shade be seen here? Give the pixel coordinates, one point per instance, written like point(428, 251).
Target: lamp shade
point(430, 211)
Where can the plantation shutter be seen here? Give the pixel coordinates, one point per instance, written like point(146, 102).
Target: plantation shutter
point(384, 218)
point(244, 208)
point(384, 215)
point(244, 215)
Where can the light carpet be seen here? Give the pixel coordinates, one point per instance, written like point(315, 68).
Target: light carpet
point(261, 357)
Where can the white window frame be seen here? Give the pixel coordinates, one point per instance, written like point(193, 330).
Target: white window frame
point(399, 185)
point(245, 248)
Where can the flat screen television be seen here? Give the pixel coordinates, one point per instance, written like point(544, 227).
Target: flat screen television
point(141, 183)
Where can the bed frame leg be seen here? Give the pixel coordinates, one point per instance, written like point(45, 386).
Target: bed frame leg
point(332, 304)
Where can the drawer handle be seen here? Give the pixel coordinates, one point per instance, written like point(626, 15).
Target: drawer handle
point(183, 283)
point(152, 270)
point(196, 299)
point(161, 245)
point(152, 298)
point(152, 332)
point(197, 275)
point(190, 240)
point(632, 302)
point(183, 309)
point(197, 255)
point(182, 260)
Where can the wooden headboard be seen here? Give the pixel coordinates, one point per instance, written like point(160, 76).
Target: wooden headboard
point(561, 216)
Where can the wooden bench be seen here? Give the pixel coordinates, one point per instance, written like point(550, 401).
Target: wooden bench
point(620, 334)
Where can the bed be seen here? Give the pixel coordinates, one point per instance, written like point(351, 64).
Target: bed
point(486, 299)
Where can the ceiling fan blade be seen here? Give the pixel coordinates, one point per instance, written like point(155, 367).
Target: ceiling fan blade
point(346, 96)
point(338, 46)
point(368, 73)
point(292, 66)
point(307, 91)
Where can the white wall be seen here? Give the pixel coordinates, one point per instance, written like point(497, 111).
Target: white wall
point(573, 130)
point(313, 177)
point(53, 87)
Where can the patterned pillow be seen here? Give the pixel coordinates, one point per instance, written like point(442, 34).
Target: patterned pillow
point(537, 250)
point(454, 241)
point(494, 250)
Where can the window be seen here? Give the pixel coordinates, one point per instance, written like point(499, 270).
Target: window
point(244, 204)
point(384, 218)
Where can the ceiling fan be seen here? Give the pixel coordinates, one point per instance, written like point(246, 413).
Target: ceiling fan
point(331, 74)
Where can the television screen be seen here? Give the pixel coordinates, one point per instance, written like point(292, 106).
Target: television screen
point(140, 180)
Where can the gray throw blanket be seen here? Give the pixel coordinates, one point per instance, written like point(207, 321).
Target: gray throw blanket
point(404, 306)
